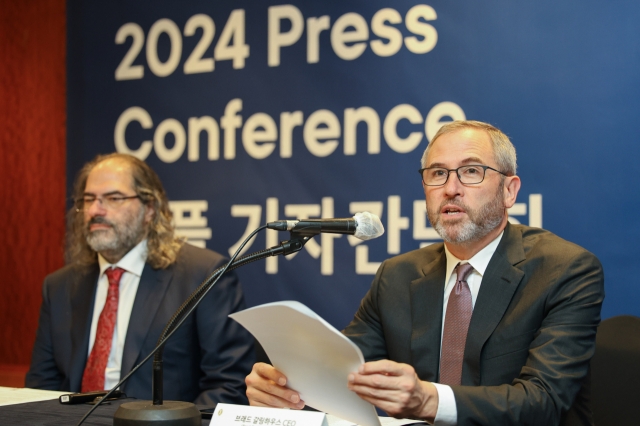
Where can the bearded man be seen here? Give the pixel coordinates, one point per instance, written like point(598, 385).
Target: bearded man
point(496, 326)
point(126, 274)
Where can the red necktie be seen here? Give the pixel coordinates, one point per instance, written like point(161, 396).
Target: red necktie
point(93, 378)
point(456, 326)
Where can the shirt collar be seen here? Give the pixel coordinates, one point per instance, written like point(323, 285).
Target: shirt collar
point(479, 261)
point(132, 262)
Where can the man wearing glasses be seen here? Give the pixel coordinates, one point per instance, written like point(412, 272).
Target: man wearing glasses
point(126, 275)
point(496, 326)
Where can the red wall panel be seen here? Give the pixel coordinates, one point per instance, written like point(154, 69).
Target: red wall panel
point(32, 166)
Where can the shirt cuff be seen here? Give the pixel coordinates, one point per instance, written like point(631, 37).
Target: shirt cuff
point(447, 414)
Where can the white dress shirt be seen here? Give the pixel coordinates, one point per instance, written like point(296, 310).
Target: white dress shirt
point(447, 414)
point(133, 264)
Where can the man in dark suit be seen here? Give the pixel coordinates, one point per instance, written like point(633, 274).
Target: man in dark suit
point(531, 302)
point(94, 329)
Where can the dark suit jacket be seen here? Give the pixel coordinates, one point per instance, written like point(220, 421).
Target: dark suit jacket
point(531, 337)
point(205, 361)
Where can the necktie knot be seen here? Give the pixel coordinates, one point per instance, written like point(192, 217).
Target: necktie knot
point(463, 270)
point(114, 275)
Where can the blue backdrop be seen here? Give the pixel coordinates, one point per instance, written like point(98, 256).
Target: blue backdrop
point(252, 111)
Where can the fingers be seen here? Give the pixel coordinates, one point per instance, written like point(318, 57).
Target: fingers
point(269, 372)
point(266, 387)
point(394, 402)
point(391, 386)
point(378, 387)
point(386, 367)
point(385, 375)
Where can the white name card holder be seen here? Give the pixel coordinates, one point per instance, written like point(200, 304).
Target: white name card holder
point(245, 415)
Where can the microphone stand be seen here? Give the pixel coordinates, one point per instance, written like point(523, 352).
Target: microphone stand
point(179, 413)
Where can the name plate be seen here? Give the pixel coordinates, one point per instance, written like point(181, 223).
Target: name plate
point(245, 415)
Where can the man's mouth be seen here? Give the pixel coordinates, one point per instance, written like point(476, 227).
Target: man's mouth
point(99, 224)
point(452, 211)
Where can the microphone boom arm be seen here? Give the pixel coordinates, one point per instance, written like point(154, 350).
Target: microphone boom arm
point(295, 244)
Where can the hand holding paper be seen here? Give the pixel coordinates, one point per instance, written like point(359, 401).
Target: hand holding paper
point(314, 357)
point(396, 389)
point(267, 387)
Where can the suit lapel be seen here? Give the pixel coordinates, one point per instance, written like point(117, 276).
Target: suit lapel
point(426, 316)
point(81, 299)
point(499, 284)
point(151, 291)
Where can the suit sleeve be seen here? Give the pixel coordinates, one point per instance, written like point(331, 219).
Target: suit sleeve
point(558, 357)
point(365, 330)
point(43, 372)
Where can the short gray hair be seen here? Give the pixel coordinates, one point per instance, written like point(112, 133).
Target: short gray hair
point(503, 149)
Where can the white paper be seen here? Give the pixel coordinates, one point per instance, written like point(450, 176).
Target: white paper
point(9, 396)
point(315, 357)
point(384, 421)
point(240, 415)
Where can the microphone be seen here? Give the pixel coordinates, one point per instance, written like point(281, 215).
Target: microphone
point(365, 226)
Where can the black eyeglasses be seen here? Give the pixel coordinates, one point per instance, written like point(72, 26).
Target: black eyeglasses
point(468, 175)
point(108, 202)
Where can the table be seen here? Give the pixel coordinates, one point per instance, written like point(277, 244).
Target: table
point(52, 413)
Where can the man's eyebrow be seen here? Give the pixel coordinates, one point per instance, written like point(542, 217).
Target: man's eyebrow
point(104, 195)
point(469, 160)
point(474, 160)
point(432, 165)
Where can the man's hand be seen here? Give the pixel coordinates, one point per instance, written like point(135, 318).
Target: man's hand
point(266, 387)
point(396, 389)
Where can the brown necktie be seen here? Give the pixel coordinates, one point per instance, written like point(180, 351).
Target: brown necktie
point(456, 326)
point(93, 377)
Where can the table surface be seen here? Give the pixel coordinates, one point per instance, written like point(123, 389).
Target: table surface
point(52, 413)
point(22, 406)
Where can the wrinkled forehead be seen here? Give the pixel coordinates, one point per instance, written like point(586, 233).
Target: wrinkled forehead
point(460, 147)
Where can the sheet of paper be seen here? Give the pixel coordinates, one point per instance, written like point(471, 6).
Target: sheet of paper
point(384, 421)
point(9, 396)
point(315, 357)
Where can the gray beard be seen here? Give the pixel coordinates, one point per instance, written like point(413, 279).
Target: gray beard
point(119, 238)
point(479, 224)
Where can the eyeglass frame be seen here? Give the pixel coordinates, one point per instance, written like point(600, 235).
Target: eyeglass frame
point(113, 197)
point(484, 173)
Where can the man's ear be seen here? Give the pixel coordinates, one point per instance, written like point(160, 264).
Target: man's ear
point(149, 213)
point(511, 188)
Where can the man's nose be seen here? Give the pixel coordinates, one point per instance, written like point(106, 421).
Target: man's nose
point(96, 208)
point(453, 186)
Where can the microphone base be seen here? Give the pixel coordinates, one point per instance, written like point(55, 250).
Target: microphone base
point(170, 413)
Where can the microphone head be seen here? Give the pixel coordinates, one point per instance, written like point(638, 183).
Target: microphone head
point(368, 226)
